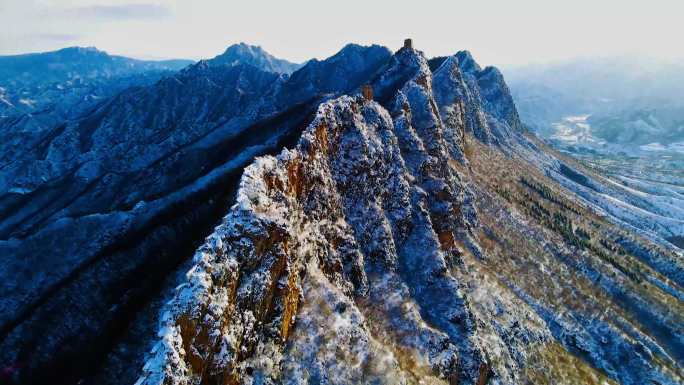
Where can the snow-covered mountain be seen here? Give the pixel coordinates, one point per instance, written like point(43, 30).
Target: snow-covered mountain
point(403, 241)
point(74, 63)
point(70, 77)
point(254, 55)
point(98, 210)
point(410, 231)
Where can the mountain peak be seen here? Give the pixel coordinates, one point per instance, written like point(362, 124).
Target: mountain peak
point(350, 48)
point(79, 49)
point(360, 51)
point(467, 63)
point(244, 48)
point(405, 64)
point(243, 53)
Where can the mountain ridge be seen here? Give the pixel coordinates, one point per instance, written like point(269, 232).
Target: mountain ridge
point(378, 208)
point(102, 193)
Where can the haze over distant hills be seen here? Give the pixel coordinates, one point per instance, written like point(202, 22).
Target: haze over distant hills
point(630, 100)
point(74, 63)
point(623, 116)
point(65, 82)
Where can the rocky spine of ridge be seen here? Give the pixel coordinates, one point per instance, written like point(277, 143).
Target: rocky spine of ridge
point(339, 250)
point(100, 211)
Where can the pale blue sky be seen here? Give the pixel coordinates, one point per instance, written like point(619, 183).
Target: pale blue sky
point(497, 32)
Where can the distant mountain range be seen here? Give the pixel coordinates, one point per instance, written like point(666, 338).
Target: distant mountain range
point(630, 100)
point(74, 63)
point(70, 80)
point(253, 55)
point(639, 126)
point(66, 82)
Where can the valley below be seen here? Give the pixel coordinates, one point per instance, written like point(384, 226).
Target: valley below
point(654, 171)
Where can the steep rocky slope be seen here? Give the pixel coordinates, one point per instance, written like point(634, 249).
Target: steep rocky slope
point(98, 210)
point(422, 238)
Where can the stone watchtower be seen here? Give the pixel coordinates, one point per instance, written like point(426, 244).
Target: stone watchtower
point(367, 92)
point(408, 43)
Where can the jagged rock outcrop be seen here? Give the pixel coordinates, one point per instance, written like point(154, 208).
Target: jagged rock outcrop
point(457, 101)
point(366, 216)
point(339, 205)
point(99, 210)
point(381, 250)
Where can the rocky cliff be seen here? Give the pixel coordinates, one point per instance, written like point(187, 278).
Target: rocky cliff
point(97, 211)
point(365, 206)
point(361, 256)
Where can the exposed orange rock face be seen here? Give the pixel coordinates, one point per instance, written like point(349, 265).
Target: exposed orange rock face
point(446, 239)
point(321, 135)
point(291, 301)
point(367, 92)
point(423, 81)
point(295, 183)
point(483, 379)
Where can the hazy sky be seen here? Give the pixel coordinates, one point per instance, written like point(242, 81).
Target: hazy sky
point(496, 32)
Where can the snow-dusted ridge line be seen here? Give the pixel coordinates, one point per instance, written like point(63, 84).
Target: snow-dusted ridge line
point(365, 190)
point(374, 202)
point(254, 212)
